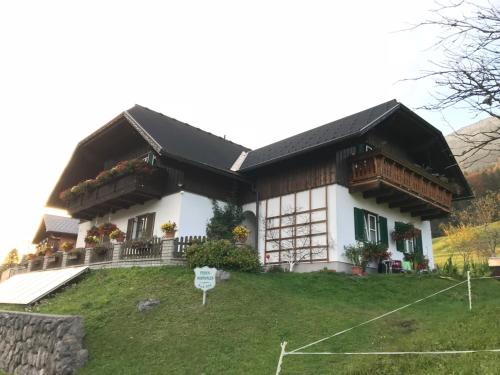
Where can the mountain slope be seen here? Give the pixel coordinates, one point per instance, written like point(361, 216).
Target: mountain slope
point(486, 158)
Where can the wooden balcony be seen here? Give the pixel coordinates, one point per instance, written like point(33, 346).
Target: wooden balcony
point(120, 193)
point(400, 184)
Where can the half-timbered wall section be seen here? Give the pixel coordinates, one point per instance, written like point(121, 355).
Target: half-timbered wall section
point(296, 227)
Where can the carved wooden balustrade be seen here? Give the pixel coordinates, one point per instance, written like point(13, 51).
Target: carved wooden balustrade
point(371, 169)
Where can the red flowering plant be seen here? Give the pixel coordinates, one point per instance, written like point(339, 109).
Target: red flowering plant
point(121, 169)
point(106, 229)
point(92, 237)
point(404, 232)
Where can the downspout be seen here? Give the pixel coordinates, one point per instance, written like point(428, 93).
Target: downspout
point(258, 219)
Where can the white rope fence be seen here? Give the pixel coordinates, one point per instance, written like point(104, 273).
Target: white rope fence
point(299, 351)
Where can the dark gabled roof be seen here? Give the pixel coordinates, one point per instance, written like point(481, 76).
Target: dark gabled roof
point(179, 140)
point(333, 132)
point(56, 224)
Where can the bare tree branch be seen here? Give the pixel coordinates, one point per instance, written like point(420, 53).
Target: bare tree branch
point(468, 74)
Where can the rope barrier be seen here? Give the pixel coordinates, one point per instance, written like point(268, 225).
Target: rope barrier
point(399, 353)
point(376, 318)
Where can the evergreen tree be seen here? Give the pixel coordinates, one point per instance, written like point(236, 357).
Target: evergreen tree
point(225, 218)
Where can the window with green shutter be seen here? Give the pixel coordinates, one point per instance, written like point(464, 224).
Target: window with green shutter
point(359, 224)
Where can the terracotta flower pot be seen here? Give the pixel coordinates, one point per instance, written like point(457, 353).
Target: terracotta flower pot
point(357, 270)
point(169, 235)
point(241, 240)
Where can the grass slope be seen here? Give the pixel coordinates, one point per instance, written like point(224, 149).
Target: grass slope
point(442, 250)
point(240, 329)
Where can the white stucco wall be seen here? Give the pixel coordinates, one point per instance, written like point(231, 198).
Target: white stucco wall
point(341, 223)
point(196, 210)
point(343, 203)
point(190, 211)
point(166, 208)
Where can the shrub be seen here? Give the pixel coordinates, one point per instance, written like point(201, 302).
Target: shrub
point(222, 254)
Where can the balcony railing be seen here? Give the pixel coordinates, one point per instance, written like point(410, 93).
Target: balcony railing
point(119, 193)
point(374, 168)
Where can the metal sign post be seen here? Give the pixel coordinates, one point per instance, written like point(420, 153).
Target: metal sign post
point(204, 279)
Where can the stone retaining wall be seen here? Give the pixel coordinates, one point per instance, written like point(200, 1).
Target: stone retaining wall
point(41, 344)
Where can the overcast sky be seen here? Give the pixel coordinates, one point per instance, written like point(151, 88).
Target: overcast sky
point(255, 71)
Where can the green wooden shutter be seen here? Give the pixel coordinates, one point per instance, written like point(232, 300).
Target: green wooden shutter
point(400, 244)
point(419, 248)
point(359, 225)
point(384, 234)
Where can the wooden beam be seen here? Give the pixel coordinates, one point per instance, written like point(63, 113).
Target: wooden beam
point(390, 198)
point(364, 186)
point(427, 212)
point(378, 193)
point(417, 206)
point(437, 216)
point(402, 202)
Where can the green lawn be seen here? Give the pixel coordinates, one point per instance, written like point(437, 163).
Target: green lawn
point(240, 330)
point(442, 251)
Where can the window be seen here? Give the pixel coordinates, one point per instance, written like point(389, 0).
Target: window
point(141, 226)
point(370, 227)
point(362, 148)
point(409, 245)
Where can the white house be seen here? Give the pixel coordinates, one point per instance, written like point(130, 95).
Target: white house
point(358, 178)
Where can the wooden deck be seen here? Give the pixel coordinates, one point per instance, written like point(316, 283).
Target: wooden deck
point(400, 184)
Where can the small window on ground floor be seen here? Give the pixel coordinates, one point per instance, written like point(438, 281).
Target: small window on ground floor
point(369, 226)
point(141, 226)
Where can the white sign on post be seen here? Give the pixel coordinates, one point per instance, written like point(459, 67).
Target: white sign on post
point(204, 279)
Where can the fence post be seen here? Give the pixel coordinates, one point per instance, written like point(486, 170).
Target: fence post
point(45, 262)
point(64, 260)
point(88, 252)
point(167, 250)
point(116, 253)
point(30, 265)
point(470, 293)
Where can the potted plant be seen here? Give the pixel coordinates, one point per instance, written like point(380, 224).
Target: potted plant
point(404, 231)
point(106, 229)
point(169, 229)
point(67, 246)
point(240, 233)
point(91, 241)
point(117, 235)
point(354, 253)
